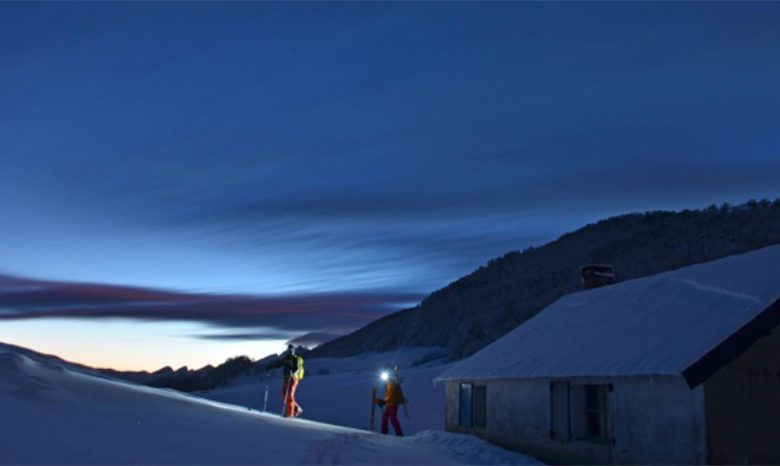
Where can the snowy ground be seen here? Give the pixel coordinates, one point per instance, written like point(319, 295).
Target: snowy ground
point(343, 396)
point(53, 413)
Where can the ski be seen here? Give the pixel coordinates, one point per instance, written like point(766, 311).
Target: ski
point(284, 402)
point(400, 387)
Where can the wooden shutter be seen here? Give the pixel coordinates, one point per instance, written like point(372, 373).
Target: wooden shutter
point(560, 428)
point(480, 405)
point(578, 418)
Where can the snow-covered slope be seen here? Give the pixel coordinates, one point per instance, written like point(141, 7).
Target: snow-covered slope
point(54, 413)
point(343, 395)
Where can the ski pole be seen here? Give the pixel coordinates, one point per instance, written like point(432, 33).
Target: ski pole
point(373, 408)
point(265, 400)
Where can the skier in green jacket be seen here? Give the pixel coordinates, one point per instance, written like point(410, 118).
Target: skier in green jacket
point(292, 372)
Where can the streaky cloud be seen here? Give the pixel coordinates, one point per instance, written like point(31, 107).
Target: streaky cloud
point(36, 299)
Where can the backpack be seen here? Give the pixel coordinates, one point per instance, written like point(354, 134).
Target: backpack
point(299, 372)
point(289, 366)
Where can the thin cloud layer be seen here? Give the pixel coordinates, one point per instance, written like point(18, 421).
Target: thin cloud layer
point(364, 145)
point(34, 299)
point(313, 339)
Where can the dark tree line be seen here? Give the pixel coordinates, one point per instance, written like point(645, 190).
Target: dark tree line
point(475, 310)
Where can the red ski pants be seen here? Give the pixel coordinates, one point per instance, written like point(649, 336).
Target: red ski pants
point(288, 395)
point(391, 414)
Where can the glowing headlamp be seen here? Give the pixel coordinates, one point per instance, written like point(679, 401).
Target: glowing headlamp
point(384, 376)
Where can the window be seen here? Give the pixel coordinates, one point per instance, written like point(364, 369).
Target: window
point(595, 411)
point(579, 412)
point(472, 408)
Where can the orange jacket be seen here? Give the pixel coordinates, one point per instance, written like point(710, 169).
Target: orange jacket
point(393, 393)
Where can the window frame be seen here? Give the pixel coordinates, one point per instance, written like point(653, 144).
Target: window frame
point(583, 402)
point(596, 407)
point(472, 401)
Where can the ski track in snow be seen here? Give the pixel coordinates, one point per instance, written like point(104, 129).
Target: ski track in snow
point(721, 291)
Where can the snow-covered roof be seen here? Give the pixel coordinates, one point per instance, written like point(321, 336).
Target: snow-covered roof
point(659, 325)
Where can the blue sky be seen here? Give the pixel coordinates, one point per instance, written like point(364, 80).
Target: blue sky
point(305, 150)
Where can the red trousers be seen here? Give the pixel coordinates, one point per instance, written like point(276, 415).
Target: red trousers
point(288, 395)
point(391, 414)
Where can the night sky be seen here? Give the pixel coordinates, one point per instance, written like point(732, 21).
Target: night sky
point(183, 182)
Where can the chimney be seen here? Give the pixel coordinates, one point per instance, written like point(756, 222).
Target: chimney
point(596, 275)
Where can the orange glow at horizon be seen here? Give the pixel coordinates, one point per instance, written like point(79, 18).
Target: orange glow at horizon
point(127, 345)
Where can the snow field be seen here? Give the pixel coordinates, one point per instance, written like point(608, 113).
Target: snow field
point(343, 396)
point(54, 413)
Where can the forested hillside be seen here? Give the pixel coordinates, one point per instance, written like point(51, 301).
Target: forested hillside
point(477, 309)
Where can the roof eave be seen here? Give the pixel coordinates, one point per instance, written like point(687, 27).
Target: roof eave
point(733, 346)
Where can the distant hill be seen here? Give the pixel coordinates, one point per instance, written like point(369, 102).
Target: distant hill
point(144, 377)
point(477, 309)
point(207, 377)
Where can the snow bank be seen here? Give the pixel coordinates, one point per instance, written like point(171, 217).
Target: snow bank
point(471, 449)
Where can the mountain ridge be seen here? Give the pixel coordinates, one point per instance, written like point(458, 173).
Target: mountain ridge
point(476, 309)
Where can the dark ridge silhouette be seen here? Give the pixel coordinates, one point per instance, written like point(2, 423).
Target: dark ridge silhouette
point(207, 377)
point(477, 309)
